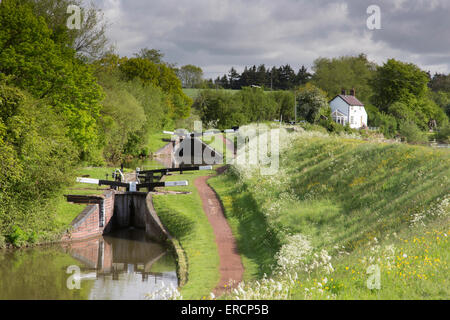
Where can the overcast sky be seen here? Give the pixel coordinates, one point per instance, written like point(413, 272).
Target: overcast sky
point(219, 34)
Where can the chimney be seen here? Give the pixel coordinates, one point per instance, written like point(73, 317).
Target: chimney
point(344, 92)
point(353, 92)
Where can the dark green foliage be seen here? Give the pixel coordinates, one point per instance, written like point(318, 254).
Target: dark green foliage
point(333, 75)
point(19, 238)
point(222, 110)
point(162, 76)
point(281, 78)
point(440, 82)
point(412, 133)
point(257, 105)
point(396, 81)
point(443, 134)
point(49, 70)
point(387, 124)
point(285, 101)
point(312, 104)
point(36, 160)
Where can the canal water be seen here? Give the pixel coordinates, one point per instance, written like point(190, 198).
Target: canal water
point(124, 265)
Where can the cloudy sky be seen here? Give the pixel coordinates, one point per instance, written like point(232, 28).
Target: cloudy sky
point(219, 34)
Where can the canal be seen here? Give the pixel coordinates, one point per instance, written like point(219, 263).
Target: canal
point(123, 265)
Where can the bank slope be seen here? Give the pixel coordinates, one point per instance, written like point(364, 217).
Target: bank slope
point(338, 205)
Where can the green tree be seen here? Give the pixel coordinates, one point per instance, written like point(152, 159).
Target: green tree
point(257, 105)
point(303, 76)
point(401, 89)
point(312, 104)
point(143, 69)
point(397, 81)
point(440, 82)
point(152, 55)
point(190, 76)
point(162, 76)
point(36, 159)
point(412, 133)
point(285, 101)
point(89, 40)
point(331, 75)
point(48, 70)
point(219, 109)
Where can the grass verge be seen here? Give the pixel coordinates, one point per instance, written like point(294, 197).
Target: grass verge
point(337, 207)
point(256, 242)
point(184, 218)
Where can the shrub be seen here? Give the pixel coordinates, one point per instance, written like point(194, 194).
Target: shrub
point(17, 237)
point(443, 134)
point(36, 160)
point(411, 133)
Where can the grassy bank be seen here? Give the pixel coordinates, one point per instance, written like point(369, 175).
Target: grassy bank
point(183, 216)
point(337, 206)
point(157, 140)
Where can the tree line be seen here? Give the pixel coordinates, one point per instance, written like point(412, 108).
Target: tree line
point(66, 100)
point(275, 78)
point(399, 97)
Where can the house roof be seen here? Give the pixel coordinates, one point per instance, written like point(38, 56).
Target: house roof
point(350, 100)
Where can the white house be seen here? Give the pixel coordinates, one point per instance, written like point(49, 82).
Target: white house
point(348, 109)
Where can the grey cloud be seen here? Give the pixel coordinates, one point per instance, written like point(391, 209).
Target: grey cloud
point(221, 34)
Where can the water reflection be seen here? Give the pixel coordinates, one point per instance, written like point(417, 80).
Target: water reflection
point(121, 266)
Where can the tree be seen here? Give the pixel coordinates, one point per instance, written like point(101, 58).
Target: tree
point(440, 82)
point(442, 99)
point(190, 76)
point(143, 69)
point(233, 78)
point(90, 40)
point(162, 76)
point(31, 60)
point(36, 158)
point(153, 55)
point(411, 133)
point(303, 76)
point(261, 76)
point(401, 89)
point(286, 77)
point(331, 75)
point(220, 109)
point(285, 101)
point(397, 81)
point(312, 104)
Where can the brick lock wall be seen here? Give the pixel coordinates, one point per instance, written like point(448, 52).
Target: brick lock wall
point(87, 224)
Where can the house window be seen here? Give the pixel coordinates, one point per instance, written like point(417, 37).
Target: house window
point(352, 120)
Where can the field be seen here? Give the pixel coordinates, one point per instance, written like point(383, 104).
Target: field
point(193, 93)
point(341, 212)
